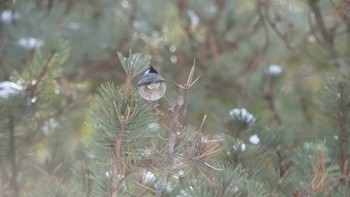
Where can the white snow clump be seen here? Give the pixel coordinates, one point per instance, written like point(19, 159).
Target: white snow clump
point(242, 114)
point(30, 43)
point(8, 89)
point(274, 70)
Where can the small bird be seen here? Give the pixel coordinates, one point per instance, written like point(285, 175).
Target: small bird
point(151, 85)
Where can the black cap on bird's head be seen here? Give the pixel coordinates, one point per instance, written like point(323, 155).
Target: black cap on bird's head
point(151, 70)
point(150, 76)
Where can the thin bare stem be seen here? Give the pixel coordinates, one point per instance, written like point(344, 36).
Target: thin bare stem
point(204, 118)
point(282, 36)
point(270, 101)
point(342, 117)
point(328, 37)
point(179, 106)
point(178, 111)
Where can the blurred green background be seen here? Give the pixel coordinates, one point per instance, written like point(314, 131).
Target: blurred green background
point(236, 45)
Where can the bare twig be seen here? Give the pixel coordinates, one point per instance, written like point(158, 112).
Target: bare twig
point(282, 36)
point(270, 101)
point(179, 106)
point(342, 117)
point(328, 37)
point(259, 5)
point(190, 82)
point(178, 111)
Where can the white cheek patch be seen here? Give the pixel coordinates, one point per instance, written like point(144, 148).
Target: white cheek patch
point(154, 94)
point(153, 86)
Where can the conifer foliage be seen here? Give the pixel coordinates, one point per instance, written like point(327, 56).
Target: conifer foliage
point(128, 152)
point(256, 101)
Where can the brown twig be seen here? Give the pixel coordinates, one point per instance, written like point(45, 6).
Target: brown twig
point(320, 175)
point(263, 50)
point(116, 169)
point(118, 174)
point(270, 101)
point(328, 37)
point(269, 96)
point(282, 36)
point(177, 111)
point(32, 89)
point(342, 120)
point(179, 105)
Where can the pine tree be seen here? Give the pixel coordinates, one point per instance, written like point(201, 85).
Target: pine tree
point(268, 115)
point(132, 159)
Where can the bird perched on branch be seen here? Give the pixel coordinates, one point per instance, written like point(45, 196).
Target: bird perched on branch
point(151, 85)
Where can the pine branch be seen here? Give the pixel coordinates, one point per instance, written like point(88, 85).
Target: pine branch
point(319, 178)
point(179, 106)
point(118, 144)
point(178, 110)
point(342, 120)
point(12, 155)
point(116, 168)
point(120, 121)
point(270, 98)
point(270, 101)
point(41, 76)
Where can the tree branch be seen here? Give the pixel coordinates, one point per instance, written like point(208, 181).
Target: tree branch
point(116, 168)
point(178, 110)
point(12, 155)
point(282, 36)
point(123, 117)
point(328, 37)
point(342, 117)
point(179, 106)
point(32, 89)
point(270, 100)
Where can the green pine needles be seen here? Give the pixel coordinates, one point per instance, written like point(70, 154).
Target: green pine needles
point(130, 155)
point(138, 150)
point(261, 120)
point(120, 121)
